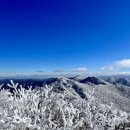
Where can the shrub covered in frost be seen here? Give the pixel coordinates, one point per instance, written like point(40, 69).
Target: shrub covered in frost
point(45, 109)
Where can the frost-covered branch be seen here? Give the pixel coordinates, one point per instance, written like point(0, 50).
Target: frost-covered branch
point(45, 109)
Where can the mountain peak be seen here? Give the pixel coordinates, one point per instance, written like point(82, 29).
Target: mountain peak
point(77, 78)
point(93, 80)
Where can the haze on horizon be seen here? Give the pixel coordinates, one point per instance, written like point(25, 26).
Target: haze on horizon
point(55, 37)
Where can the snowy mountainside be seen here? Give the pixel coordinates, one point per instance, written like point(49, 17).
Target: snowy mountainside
point(63, 104)
point(105, 92)
point(118, 95)
point(119, 81)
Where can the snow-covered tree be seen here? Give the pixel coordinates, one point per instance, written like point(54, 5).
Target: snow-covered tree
point(45, 109)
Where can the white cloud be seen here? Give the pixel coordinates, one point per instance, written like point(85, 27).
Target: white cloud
point(80, 69)
point(107, 68)
point(122, 64)
point(125, 63)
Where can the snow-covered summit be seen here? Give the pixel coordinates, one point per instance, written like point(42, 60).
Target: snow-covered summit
point(93, 80)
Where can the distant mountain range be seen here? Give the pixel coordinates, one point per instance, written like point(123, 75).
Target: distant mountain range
point(111, 89)
point(81, 79)
point(120, 81)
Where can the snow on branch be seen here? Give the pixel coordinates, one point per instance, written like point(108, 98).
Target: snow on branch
point(45, 109)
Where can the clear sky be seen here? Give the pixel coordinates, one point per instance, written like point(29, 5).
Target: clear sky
point(64, 35)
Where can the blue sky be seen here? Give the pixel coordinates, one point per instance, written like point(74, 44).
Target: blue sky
point(69, 35)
